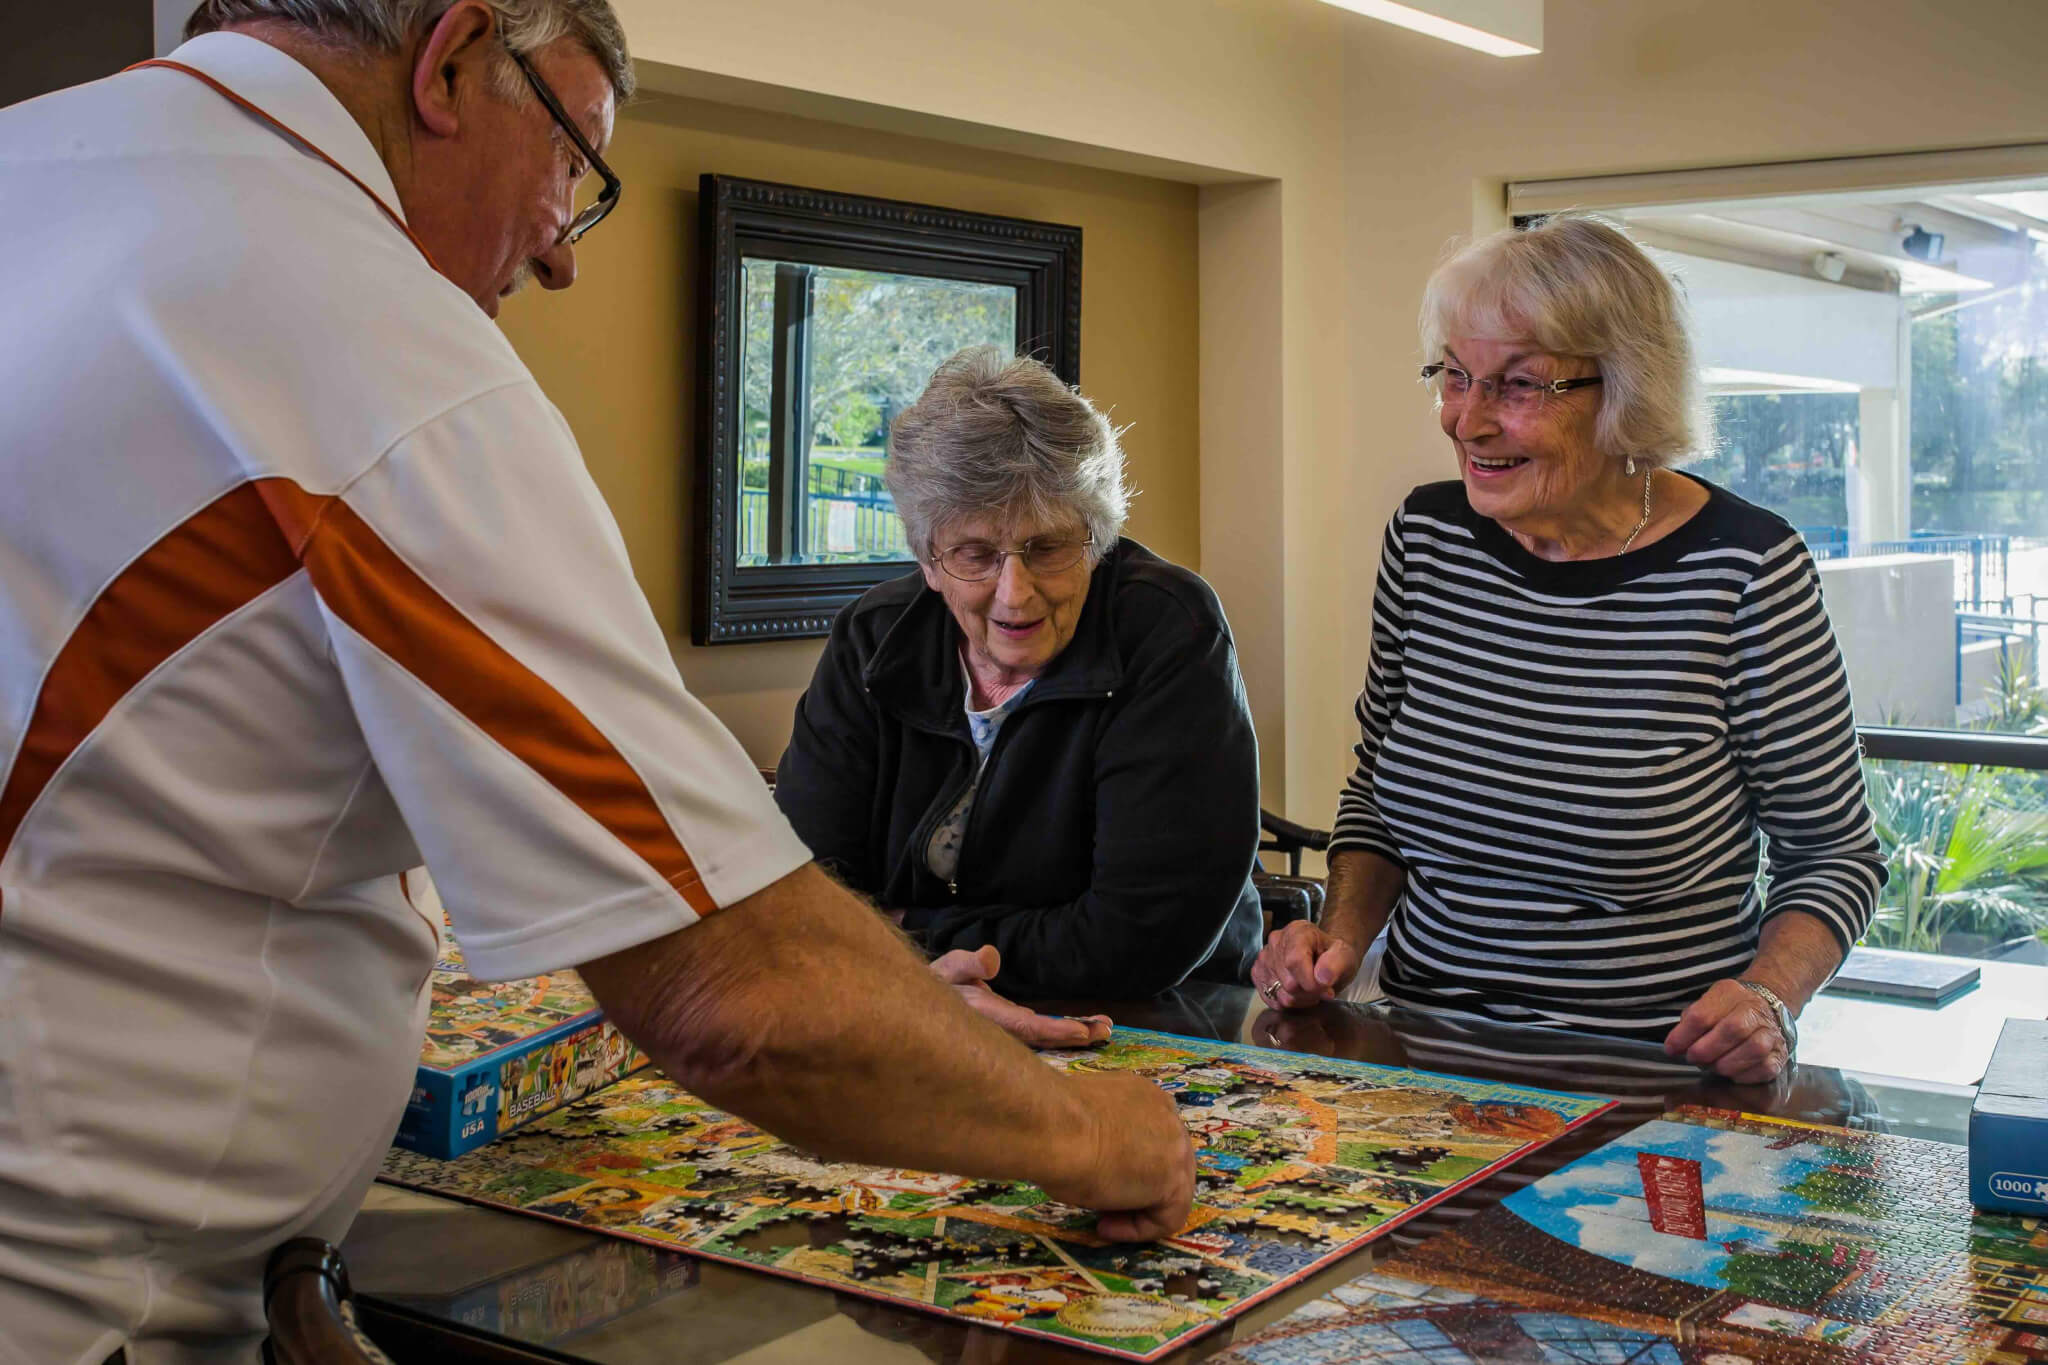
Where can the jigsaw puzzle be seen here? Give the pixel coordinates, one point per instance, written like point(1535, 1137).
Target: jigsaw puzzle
point(1301, 1159)
point(1705, 1237)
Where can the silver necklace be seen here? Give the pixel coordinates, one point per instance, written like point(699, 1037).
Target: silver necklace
point(1646, 512)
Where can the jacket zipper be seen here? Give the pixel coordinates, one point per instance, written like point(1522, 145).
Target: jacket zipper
point(995, 750)
point(921, 838)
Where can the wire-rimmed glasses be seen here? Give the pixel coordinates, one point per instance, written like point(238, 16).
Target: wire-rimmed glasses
point(977, 561)
point(608, 197)
point(1519, 392)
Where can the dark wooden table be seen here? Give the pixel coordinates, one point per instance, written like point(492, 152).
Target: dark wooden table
point(438, 1280)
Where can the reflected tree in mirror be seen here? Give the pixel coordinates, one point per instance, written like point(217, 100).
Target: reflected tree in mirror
point(823, 314)
point(830, 356)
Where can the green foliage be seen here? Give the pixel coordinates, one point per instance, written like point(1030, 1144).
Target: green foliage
point(874, 341)
point(1980, 412)
point(1800, 1275)
point(2019, 704)
point(1966, 849)
point(1839, 1193)
point(1787, 452)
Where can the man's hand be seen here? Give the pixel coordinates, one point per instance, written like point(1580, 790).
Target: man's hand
point(1142, 1173)
point(1731, 1030)
point(1302, 966)
point(968, 972)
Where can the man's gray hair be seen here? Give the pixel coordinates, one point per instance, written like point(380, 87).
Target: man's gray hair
point(527, 26)
point(1002, 436)
point(1576, 285)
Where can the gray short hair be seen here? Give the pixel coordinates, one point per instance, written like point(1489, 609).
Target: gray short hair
point(1576, 285)
point(1003, 435)
point(527, 26)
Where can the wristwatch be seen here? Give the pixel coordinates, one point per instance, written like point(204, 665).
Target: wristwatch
point(1781, 1012)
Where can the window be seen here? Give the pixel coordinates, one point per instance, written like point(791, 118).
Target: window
point(1874, 338)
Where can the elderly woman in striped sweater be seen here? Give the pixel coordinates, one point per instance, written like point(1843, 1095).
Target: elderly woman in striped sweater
point(1596, 684)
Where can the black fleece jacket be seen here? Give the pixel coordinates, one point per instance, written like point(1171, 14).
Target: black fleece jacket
point(1110, 845)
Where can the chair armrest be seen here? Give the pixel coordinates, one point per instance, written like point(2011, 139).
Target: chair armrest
point(305, 1298)
point(1287, 899)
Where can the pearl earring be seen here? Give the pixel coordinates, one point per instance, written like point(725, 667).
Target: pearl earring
point(1631, 466)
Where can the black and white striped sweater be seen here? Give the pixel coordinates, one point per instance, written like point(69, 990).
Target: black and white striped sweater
point(1575, 763)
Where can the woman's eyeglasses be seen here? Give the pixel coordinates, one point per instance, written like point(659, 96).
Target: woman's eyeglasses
point(1518, 392)
point(976, 561)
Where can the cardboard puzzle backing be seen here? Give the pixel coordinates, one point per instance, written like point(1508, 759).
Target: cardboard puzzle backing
point(1301, 1159)
point(1704, 1237)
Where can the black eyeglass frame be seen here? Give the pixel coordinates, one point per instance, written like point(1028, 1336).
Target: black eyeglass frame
point(1003, 556)
point(1555, 386)
point(608, 197)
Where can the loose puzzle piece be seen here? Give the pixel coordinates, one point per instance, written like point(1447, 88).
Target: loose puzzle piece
point(1705, 1237)
point(1301, 1159)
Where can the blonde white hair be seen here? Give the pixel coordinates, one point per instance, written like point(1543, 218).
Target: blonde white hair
point(1000, 435)
point(1576, 285)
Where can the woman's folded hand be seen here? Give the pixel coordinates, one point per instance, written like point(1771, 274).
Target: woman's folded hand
point(1303, 965)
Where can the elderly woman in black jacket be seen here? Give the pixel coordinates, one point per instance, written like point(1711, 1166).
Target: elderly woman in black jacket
point(1034, 752)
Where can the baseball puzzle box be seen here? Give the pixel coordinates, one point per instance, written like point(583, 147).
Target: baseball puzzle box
point(1301, 1160)
point(499, 1054)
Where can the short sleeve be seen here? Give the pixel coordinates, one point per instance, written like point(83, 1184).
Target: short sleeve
point(570, 797)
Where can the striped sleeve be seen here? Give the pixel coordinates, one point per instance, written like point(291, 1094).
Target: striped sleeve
point(1794, 738)
point(1359, 822)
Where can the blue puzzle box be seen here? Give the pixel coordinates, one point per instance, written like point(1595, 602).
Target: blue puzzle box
point(501, 1054)
point(2009, 1123)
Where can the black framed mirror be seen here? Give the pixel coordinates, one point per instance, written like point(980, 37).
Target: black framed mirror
point(822, 316)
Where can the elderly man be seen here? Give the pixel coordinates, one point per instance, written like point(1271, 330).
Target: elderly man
point(304, 583)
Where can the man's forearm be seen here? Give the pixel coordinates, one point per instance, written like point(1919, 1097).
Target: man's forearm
point(802, 1011)
point(1796, 954)
point(1359, 895)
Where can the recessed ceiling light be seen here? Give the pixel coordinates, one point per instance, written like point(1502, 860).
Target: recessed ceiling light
point(1500, 28)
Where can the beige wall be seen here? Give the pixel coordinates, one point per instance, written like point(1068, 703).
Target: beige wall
point(617, 352)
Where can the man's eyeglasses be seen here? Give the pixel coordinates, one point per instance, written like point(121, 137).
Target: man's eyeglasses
point(977, 561)
point(608, 197)
point(1516, 391)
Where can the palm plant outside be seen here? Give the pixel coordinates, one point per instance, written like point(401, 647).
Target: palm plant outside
point(1966, 846)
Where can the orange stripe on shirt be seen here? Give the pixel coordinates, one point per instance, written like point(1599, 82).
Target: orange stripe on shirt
point(229, 553)
point(206, 568)
point(364, 582)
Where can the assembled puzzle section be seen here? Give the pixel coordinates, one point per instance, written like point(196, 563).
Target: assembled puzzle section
point(1705, 1237)
point(501, 1054)
point(1301, 1159)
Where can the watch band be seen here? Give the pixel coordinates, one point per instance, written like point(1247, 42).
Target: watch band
point(1780, 1011)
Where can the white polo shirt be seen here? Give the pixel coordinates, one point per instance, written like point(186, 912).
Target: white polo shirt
point(302, 583)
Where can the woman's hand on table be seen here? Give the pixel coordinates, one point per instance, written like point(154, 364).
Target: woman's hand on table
point(968, 972)
point(1304, 965)
point(1732, 1031)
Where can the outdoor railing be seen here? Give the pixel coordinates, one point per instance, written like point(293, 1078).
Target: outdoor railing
point(1982, 561)
point(876, 530)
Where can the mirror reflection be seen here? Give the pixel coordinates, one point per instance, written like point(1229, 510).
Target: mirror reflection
point(829, 356)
